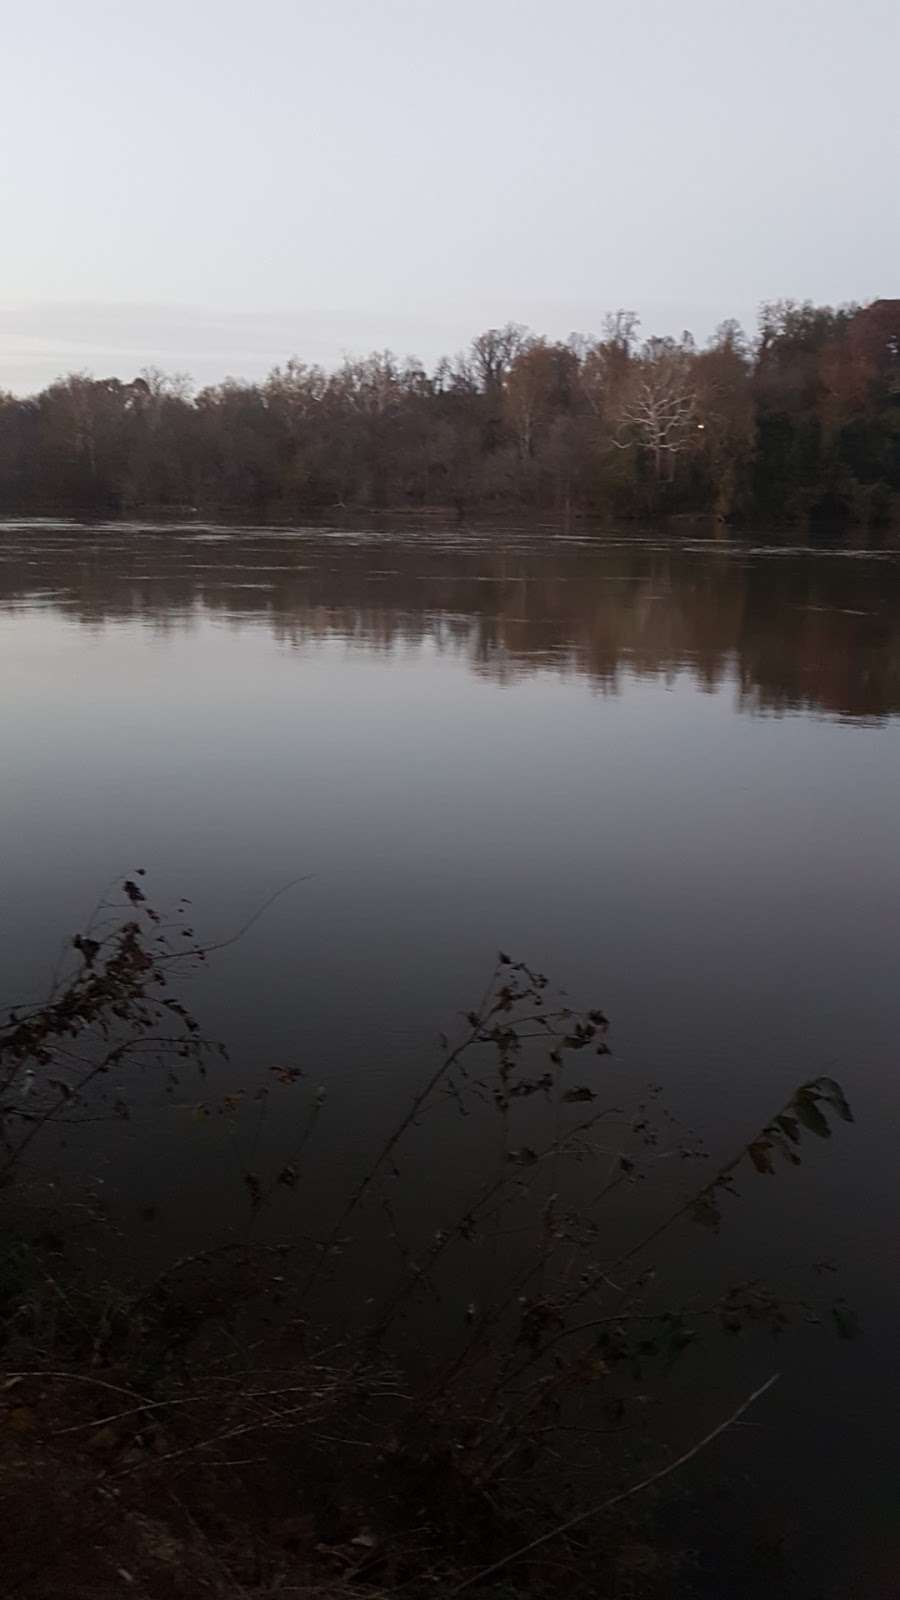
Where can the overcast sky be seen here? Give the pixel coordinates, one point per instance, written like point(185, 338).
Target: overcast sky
point(212, 185)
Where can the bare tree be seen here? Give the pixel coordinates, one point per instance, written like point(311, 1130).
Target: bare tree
point(606, 362)
point(165, 385)
point(620, 330)
point(541, 383)
point(658, 406)
point(493, 353)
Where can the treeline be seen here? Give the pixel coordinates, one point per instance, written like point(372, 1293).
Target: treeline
point(800, 423)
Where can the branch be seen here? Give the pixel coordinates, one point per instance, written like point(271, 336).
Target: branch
point(624, 1494)
point(223, 944)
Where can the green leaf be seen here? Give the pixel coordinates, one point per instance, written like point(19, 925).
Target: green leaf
point(790, 1126)
point(581, 1093)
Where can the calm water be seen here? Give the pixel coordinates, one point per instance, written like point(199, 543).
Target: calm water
point(666, 772)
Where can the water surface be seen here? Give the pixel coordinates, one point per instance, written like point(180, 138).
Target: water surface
point(665, 771)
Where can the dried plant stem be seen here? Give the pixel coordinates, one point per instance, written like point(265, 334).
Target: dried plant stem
point(624, 1494)
point(390, 1144)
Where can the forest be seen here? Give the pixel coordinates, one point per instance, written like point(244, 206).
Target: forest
point(798, 424)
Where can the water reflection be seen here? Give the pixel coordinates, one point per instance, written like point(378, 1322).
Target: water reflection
point(237, 709)
point(794, 629)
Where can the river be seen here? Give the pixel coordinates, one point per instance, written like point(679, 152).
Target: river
point(665, 770)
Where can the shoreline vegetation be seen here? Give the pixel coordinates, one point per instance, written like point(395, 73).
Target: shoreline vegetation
point(798, 425)
point(492, 1413)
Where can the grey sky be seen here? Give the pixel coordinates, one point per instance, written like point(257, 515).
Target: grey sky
point(213, 184)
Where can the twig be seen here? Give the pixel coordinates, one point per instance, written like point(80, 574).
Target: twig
point(82, 1377)
point(419, 1100)
point(223, 944)
point(624, 1494)
point(197, 1399)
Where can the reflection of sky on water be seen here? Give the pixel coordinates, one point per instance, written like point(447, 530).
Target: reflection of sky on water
point(559, 762)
